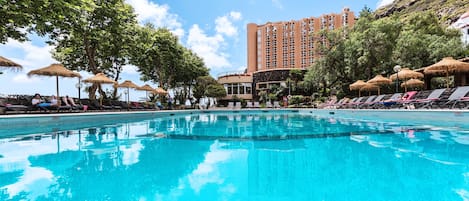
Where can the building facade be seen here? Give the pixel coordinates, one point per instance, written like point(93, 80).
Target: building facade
point(274, 48)
point(290, 44)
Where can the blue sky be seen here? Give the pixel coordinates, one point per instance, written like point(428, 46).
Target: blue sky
point(214, 29)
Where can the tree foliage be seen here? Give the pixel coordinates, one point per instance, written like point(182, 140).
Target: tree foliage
point(208, 86)
point(18, 18)
point(162, 59)
point(99, 40)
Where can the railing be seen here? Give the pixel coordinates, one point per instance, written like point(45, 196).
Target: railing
point(223, 74)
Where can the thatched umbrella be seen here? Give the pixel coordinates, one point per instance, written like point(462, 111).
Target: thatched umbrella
point(357, 85)
point(55, 70)
point(449, 66)
point(412, 83)
point(146, 88)
point(100, 78)
point(405, 74)
point(4, 62)
point(379, 80)
point(160, 91)
point(128, 84)
point(369, 87)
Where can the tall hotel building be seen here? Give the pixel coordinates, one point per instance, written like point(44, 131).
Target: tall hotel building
point(276, 47)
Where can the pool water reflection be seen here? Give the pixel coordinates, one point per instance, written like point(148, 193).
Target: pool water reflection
point(278, 156)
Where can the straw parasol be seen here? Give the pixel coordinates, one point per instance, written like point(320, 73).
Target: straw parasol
point(369, 87)
point(405, 74)
point(100, 78)
point(146, 88)
point(160, 91)
point(128, 84)
point(379, 80)
point(357, 85)
point(4, 62)
point(55, 70)
point(449, 66)
point(412, 83)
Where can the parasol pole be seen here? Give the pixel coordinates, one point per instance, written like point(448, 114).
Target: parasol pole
point(57, 87)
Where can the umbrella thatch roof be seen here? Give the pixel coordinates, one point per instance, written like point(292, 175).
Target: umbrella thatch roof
point(448, 65)
point(369, 87)
point(54, 70)
point(160, 90)
point(100, 78)
point(4, 62)
point(379, 80)
point(412, 83)
point(128, 84)
point(406, 73)
point(357, 85)
point(146, 87)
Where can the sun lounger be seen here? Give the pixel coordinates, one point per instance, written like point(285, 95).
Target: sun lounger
point(230, 105)
point(371, 104)
point(277, 104)
point(368, 101)
point(457, 95)
point(256, 104)
point(428, 101)
point(249, 104)
point(268, 104)
point(237, 105)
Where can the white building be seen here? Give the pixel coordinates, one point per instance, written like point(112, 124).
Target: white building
point(463, 25)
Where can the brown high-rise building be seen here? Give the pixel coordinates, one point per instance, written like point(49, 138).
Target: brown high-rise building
point(290, 44)
point(274, 48)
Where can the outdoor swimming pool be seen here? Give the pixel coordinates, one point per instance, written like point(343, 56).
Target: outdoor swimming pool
point(241, 155)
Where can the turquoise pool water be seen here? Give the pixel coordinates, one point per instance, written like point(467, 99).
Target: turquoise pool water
point(272, 155)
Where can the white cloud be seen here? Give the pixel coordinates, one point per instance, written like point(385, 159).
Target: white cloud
point(235, 15)
point(159, 15)
point(208, 47)
point(382, 3)
point(33, 57)
point(224, 25)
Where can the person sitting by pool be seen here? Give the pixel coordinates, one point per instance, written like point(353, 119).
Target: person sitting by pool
point(38, 102)
point(158, 105)
point(393, 100)
point(53, 101)
point(68, 101)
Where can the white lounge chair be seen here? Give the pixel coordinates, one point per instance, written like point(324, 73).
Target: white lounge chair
point(249, 104)
point(277, 104)
point(237, 105)
point(256, 104)
point(230, 105)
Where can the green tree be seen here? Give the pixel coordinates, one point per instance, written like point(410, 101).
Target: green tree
point(98, 41)
point(208, 86)
point(18, 18)
point(216, 90)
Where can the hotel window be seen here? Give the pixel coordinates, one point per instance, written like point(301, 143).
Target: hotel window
point(248, 88)
point(229, 89)
point(241, 88)
point(235, 89)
